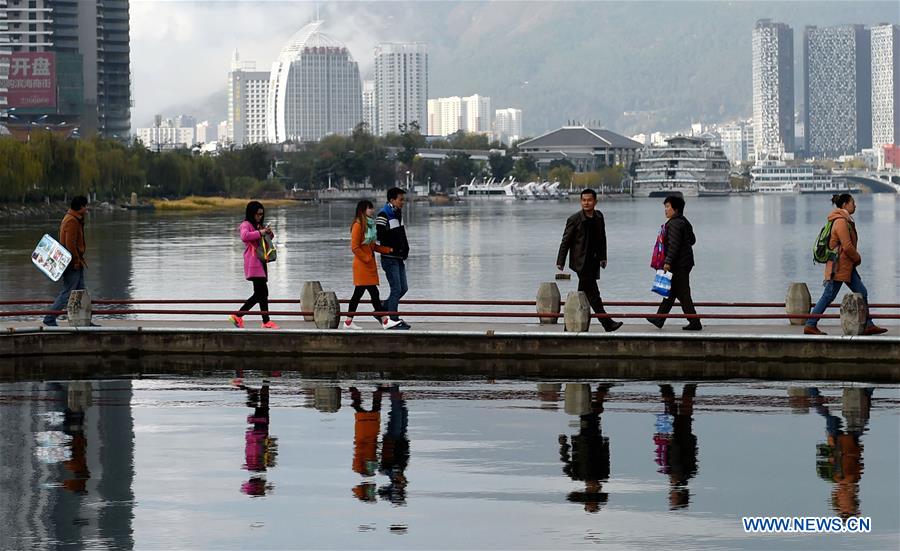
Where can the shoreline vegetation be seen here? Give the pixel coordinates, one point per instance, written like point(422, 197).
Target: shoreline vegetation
point(195, 203)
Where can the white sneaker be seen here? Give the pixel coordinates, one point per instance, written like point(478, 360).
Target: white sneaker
point(348, 324)
point(390, 324)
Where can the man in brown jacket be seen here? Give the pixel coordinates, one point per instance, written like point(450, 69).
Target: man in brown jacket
point(71, 236)
point(584, 241)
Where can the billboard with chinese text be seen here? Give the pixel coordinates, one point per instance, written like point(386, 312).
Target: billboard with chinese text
point(32, 80)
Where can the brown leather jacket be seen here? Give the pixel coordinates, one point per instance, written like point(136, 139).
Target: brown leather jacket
point(71, 236)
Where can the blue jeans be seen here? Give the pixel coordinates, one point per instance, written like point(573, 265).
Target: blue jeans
point(395, 271)
point(830, 292)
point(72, 280)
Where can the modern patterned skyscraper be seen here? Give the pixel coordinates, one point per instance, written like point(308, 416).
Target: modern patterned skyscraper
point(401, 86)
point(885, 85)
point(248, 96)
point(5, 52)
point(70, 60)
point(837, 91)
point(314, 89)
point(773, 88)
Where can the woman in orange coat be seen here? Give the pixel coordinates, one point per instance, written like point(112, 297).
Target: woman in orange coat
point(844, 268)
point(365, 270)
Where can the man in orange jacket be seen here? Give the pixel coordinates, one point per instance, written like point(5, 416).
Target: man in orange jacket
point(71, 236)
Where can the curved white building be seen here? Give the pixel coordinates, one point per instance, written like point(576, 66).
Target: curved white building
point(314, 89)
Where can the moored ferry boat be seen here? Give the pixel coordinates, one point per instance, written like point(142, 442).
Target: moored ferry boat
point(686, 165)
point(488, 190)
point(777, 177)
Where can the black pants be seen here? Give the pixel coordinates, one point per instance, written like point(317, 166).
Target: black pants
point(681, 290)
point(373, 294)
point(587, 282)
point(260, 296)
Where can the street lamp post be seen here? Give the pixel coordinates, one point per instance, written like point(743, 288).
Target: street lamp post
point(407, 180)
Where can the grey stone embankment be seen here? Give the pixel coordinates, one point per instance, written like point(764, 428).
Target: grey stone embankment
point(761, 352)
point(54, 209)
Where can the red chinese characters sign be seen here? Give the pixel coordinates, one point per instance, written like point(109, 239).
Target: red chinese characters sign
point(32, 80)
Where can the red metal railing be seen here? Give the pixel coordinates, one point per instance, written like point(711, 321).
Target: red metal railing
point(434, 313)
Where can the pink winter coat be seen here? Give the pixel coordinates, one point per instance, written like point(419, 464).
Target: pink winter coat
point(253, 266)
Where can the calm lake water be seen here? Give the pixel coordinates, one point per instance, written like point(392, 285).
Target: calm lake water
point(265, 460)
point(749, 249)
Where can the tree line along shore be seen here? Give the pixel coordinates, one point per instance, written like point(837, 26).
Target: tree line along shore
point(49, 168)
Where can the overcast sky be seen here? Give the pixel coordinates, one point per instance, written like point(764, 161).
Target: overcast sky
point(181, 49)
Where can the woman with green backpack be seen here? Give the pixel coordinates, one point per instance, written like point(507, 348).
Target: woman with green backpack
point(841, 267)
point(257, 238)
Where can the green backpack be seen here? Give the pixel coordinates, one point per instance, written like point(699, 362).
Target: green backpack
point(821, 252)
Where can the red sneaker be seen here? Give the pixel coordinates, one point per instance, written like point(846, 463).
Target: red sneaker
point(237, 321)
point(270, 325)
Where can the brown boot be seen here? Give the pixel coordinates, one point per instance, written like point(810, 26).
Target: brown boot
point(812, 330)
point(874, 330)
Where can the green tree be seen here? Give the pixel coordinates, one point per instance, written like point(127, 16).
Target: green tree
point(410, 142)
point(20, 170)
point(525, 169)
point(500, 165)
point(88, 169)
point(562, 174)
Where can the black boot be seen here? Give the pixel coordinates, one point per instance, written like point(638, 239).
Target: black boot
point(658, 322)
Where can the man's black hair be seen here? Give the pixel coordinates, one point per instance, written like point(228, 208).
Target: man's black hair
point(395, 192)
point(676, 202)
point(78, 202)
point(589, 191)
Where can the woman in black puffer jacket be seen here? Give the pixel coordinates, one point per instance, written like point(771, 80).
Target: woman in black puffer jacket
point(679, 244)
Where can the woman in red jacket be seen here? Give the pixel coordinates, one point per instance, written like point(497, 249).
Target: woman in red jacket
point(365, 270)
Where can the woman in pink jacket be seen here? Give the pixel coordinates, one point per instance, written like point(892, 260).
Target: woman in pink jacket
point(252, 230)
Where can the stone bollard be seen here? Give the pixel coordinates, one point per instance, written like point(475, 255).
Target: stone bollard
point(79, 308)
point(855, 407)
point(853, 314)
point(327, 399)
point(326, 312)
point(134, 202)
point(308, 294)
point(578, 312)
point(797, 302)
point(548, 300)
point(578, 398)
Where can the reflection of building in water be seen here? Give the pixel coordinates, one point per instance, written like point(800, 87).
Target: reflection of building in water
point(67, 451)
point(260, 449)
point(586, 457)
point(839, 458)
point(394, 446)
point(676, 444)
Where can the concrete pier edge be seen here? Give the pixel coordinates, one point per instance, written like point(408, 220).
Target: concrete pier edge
point(838, 357)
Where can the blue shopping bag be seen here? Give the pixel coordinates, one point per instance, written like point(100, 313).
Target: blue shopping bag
point(662, 283)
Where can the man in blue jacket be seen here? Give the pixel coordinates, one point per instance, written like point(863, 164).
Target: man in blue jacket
point(392, 233)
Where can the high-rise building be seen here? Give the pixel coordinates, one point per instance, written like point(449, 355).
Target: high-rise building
point(222, 133)
point(479, 117)
point(202, 133)
point(508, 125)
point(773, 88)
point(449, 115)
point(248, 96)
point(314, 89)
point(837, 90)
point(370, 116)
point(168, 134)
point(401, 86)
point(70, 62)
point(5, 52)
point(885, 85)
point(737, 141)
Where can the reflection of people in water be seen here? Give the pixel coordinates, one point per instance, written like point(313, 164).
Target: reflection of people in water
point(676, 444)
point(395, 449)
point(78, 397)
point(394, 446)
point(587, 457)
point(365, 441)
point(839, 459)
point(260, 449)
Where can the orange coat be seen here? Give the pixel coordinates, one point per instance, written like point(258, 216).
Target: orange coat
point(71, 236)
point(844, 237)
point(365, 270)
